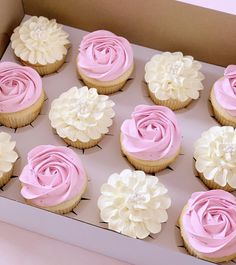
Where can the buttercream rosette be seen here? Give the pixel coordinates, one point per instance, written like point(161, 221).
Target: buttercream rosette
point(152, 137)
point(134, 204)
point(21, 94)
point(105, 61)
point(80, 116)
point(40, 43)
point(173, 79)
point(215, 154)
point(208, 225)
point(20, 87)
point(7, 157)
point(54, 178)
point(223, 97)
point(39, 40)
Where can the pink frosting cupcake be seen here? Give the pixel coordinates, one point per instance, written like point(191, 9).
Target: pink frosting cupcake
point(54, 178)
point(208, 225)
point(151, 139)
point(223, 97)
point(105, 61)
point(21, 95)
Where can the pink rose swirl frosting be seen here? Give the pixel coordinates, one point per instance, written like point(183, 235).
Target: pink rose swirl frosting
point(210, 223)
point(54, 174)
point(152, 133)
point(104, 56)
point(20, 87)
point(225, 90)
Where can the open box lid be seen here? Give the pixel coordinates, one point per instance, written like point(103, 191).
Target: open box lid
point(166, 25)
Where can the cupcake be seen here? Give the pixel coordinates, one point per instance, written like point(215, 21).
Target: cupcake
point(173, 80)
point(7, 157)
point(81, 117)
point(208, 225)
point(151, 139)
point(215, 155)
point(41, 44)
point(134, 204)
point(53, 179)
point(105, 61)
point(223, 97)
point(21, 95)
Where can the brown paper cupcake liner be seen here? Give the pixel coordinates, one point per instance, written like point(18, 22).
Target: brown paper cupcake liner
point(211, 184)
point(106, 87)
point(173, 104)
point(80, 145)
point(23, 117)
point(195, 253)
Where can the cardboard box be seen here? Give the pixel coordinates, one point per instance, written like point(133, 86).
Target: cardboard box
point(83, 226)
point(11, 13)
point(165, 25)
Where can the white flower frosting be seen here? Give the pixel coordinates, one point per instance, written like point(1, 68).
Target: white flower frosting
point(7, 154)
point(174, 76)
point(133, 203)
point(215, 154)
point(81, 114)
point(40, 41)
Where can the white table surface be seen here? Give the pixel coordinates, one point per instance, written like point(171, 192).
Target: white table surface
point(22, 247)
point(228, 6)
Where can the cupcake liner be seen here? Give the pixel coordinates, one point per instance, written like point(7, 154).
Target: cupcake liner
point(104, 90)
point(45, 69)
point(211, 184)
point(64, 207)
point(149, 166)
point(81, 145)
point(48, 68)
point(5, 177)
point(23, 117)
point(106, 87)
point(195, 253)
point(223, 117)
point(173, 104)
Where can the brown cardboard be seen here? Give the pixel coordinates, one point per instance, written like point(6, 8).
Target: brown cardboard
point(208, 35)
point(11, 13)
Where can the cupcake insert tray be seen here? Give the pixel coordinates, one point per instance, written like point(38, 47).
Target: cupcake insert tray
point(83, 226)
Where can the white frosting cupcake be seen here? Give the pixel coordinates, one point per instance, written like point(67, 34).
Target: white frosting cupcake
point(173, 79)
point(40, 42)
point(7, 157)
point(215, 154)
point(133, 203)
point(81, 116)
